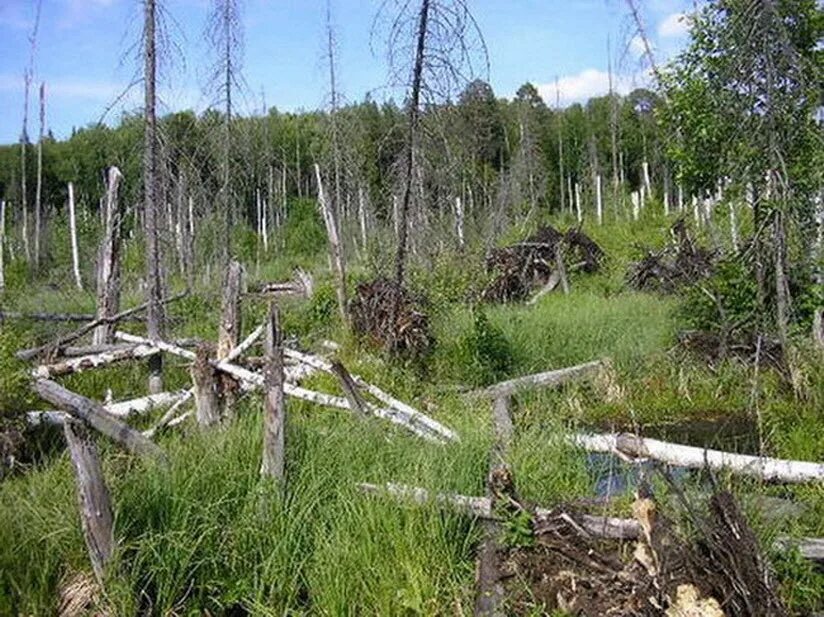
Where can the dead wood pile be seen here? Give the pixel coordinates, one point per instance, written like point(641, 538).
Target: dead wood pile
point(521, 268)
point(371, 313)
point(718, 571)
point(679, 263)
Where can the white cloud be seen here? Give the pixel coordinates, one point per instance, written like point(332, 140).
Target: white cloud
point(637, 47)
point(586, 84)
point(66, 88)
point(675, 25)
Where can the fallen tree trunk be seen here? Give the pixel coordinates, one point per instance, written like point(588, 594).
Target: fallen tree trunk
point(95, 415)
point(57, 317)
point(811, 549)
point(93, 498)
point(28, 354)
point(123, 409)
point(252, 380)
point(543, 380)
point(764, 468)
point(84, 363)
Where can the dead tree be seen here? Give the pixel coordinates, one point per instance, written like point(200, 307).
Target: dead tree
point(108, 261)
point(274, 415)
point(206, 385)
point(2, 246)
point(230, 313)
point(224, 33)
point(151, 194)
point(28, 75)
point(93, 497)
point(73, 236)
point(336, 257)
point(38, 195)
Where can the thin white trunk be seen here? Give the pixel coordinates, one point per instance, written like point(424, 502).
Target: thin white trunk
point(636, 204)
point(265, 227)
point(680, 198)
point(335, 244)
point(733, 226)
point(645, 170)
point(599, 203)
point(696, 211)
point(459, 221)
point(73, 235)
point(2, 245)
point(362, 216)
point(578, 210)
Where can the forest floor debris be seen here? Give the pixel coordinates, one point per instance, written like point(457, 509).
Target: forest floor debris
point(525, 266)
point(371, 312)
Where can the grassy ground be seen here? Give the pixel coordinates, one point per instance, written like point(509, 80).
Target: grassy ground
point(207, 534)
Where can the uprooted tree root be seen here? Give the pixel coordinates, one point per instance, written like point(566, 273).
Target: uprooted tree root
point(718, 570)
point(520, 268)
point(371, 313)
point(679, 263)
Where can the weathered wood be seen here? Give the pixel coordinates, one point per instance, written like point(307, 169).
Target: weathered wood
point(84, 363)
point(108, 261)
point(610, 527)
point(95, 415)
point(207, 388)
point(2, 245)
point(336, 256)
point(75, 351)
point(28, 354)
point(548, 379)
point(55, 317)
point(78, 281)
point(561, 268)
point(251, 380)
point(122, 409)
point(92, 496)
point(350, 389)
point(273, 461)
point(230, 313)
point(765, 468)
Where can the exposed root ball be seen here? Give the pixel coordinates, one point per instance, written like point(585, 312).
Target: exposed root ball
point(371, 311)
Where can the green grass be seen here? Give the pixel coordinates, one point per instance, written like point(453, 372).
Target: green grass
point(209, 534)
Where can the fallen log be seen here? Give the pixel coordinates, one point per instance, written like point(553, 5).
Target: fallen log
point(95, 415)
point(273, 461)
point(123, 409)
point(764, 468)
point(252, 380)
point(58, 317)
point(608, 527)
point(28, 354)
point(542, 380)
point(84, 363)
point(92, 496)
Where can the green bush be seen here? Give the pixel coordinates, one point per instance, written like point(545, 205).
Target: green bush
point(483, 354)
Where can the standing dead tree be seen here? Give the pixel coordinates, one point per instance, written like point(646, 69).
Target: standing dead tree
point(108, 262)
point(38, 194)
point(433, 49)
point(152, 193)
point(274, 419)
point(225, 34)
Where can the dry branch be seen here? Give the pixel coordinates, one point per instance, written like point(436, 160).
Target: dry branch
point(543, 380)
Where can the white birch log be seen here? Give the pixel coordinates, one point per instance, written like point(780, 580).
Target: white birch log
point(548, 379)
point(84, 363)
point(122, 409)
point(73, 237)
point(765, 468)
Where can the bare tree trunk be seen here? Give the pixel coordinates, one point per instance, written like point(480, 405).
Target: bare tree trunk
point(108, 262)
point(73, 235)
point(560, 145)
point(206, 384)
point(274, 419)
point(93, 498)
point(782, 290)
point(818, 255)
point(362, 217)
point(459, 222)
point(335, 244)
point(38, 195)
point(151, 191)
point(230, 313)
point(599, 204)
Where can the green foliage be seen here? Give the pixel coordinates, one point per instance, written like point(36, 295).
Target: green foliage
point(304, 236)
point(517, 530)
point(482, 355)
point(15, 393)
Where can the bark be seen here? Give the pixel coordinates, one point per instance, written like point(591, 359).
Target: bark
point(93, 498)
point(230, 313)
point(459, 222)
point(549, 379)
point(207, 388)
point(782, 289)
point(561, 268)
point(123, 409)
point(350, 388)
point(274, 405)
point(84, 363)
point(108, 262)
point(73, 235)
point(599, 204)
point(59, 317)
point(764, 468)
point(336, 257)
point(151, 196)
point(38, 195)
point(95, 415)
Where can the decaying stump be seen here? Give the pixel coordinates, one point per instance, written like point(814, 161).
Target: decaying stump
point(350, 388)
point(230, 329)
point(274, 403)
point(108, 262)
point(207, 386)
point(92, 496)
point(371, 314)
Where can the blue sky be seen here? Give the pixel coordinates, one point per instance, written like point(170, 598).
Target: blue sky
point(83, 52)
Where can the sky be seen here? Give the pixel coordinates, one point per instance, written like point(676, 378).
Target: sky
point(86, 53)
